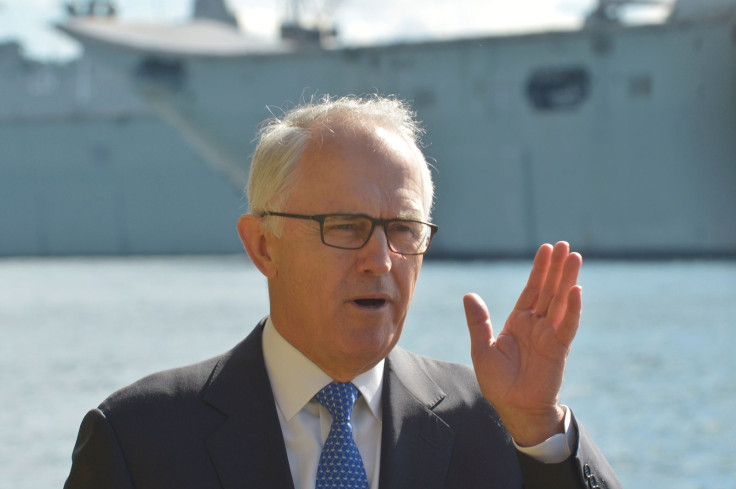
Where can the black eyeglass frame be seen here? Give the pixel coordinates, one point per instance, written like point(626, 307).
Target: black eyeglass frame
point(320, 218)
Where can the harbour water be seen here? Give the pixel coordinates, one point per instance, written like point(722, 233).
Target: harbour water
point(652, 374)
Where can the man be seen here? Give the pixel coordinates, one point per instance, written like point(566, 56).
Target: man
point(340, 198)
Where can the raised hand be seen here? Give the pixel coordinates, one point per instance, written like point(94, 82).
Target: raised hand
point(520, 371)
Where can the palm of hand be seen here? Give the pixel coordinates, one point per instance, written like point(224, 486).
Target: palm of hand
point(528, 361)
point(520, 372)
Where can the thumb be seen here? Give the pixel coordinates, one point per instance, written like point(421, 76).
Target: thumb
point(479, 321)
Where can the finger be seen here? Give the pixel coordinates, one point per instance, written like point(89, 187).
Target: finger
point(569, 279)
point(568, 328)
point(479, 322)
point(530, 294)
point(551, 282)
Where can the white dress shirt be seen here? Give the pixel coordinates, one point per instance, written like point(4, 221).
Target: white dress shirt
point(305, 423)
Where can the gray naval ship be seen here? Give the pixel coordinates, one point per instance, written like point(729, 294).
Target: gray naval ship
point(619, 138)
point(87, 169)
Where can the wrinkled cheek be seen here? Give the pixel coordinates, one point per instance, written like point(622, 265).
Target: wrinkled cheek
point(407, 305)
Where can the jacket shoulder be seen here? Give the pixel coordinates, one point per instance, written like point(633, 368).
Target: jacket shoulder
point(182, 384)
point(172, 384)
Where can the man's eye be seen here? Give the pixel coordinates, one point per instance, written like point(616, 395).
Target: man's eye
point(342, 225)
point(403, 228)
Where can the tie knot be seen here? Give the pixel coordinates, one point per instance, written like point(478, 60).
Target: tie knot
point(338, 398)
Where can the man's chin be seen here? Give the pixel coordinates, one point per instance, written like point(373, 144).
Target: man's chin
point(370, 348)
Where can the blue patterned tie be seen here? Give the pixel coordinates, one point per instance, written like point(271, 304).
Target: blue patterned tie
point(340, 465)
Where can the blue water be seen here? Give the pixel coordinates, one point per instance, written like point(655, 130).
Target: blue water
point(652, 373)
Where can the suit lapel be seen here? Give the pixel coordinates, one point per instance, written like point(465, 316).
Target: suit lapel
point(416, 444)
point(248, 448)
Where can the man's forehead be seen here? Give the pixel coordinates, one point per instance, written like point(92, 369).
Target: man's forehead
point(336, 161)
point(391, 139)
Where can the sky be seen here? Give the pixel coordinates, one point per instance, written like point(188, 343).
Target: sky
point(359, 21)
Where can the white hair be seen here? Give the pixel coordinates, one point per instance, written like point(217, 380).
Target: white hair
point(282, 141)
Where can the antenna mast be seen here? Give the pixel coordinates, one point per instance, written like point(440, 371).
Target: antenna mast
point(295, 29)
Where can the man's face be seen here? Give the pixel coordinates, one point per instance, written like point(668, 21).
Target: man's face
point(345, 309)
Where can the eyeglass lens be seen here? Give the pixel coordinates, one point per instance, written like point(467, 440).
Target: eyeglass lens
point(354, 231)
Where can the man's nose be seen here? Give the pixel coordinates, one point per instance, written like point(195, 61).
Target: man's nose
point(376, 254)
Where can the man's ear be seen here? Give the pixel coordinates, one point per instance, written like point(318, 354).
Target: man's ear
point(253, 236)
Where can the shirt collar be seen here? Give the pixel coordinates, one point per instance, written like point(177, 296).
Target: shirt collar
point(295, 379)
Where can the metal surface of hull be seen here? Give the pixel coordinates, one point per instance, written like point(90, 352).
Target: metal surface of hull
point(619, 140)
point(642, 163)
point(86, 169)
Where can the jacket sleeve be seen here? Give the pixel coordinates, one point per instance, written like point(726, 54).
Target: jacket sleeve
point(97, 460)
point(586, 468)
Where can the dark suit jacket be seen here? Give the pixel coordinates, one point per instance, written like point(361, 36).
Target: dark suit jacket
point(214, 425)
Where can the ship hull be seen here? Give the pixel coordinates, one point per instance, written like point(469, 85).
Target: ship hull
point(619, 140)
point(87, 169)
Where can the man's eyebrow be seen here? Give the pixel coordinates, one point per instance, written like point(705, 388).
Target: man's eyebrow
point(410, 215)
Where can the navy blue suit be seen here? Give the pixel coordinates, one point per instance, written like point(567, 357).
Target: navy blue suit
point(214, 425)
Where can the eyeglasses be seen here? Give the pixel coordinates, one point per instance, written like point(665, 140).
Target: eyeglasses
point(352, 231)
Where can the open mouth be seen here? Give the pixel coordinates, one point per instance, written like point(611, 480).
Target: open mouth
point(370, 302)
